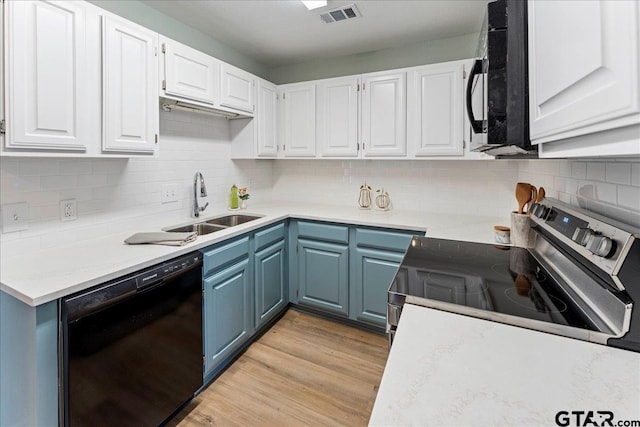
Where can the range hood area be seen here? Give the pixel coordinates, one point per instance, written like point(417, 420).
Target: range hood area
point(172, 104)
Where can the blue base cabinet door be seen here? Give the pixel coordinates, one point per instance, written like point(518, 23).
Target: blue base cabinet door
point(270, 282)
point(373, 271)
point(323, 276)
point(227, 313)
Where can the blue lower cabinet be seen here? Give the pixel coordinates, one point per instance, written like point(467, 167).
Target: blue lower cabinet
point(323, 275)
point(270, 274)
point(227, 317)
point(372, 273)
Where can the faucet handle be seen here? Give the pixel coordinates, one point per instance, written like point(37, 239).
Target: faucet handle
point(204, 207)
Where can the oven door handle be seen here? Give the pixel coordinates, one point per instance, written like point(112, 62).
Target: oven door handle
point(478, 68)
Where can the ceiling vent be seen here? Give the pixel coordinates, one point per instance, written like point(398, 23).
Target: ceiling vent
point(340, 14)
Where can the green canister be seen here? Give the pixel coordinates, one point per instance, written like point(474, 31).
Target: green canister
point(234, 197)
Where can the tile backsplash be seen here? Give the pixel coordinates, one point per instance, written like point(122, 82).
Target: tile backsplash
point(112, 190)
point(109, 192)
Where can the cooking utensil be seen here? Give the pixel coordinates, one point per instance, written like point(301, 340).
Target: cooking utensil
point(541, 195)
point(534, 196)
point(523, 194)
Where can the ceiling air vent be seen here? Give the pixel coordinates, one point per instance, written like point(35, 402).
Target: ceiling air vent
point(340, 14)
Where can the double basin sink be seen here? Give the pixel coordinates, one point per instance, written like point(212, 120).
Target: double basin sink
point(216, 224)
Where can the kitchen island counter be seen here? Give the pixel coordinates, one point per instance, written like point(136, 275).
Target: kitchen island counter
point(42, 275)
point(474, 372)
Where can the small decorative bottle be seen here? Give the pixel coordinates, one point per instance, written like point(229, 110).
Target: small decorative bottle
point(233, 203)
point(364, 199)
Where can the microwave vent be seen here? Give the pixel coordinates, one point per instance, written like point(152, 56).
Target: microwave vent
point(340, 14)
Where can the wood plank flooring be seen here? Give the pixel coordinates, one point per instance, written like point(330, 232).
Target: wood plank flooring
point(304, 371)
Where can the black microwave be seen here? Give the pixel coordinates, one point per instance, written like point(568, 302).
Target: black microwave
point(497, 98)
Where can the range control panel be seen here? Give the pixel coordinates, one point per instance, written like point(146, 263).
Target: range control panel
point(602, 241)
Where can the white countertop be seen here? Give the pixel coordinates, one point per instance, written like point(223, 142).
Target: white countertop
point(48, 274)
point(448, 369)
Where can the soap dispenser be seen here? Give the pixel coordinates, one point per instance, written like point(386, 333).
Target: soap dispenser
point(233, 203)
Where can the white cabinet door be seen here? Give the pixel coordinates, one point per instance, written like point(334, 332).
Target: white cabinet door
point(299, 120)
point(190, 74)
point(130, 90)
point(47, 92)
point(237, 88)
point(337, 116)
point(434, 110)
point(583, 71)
point(384, 114)
point(267, 144)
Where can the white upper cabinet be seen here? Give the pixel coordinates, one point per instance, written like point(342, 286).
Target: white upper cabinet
point(435, 110)
point(298, 119)
point(46, 85)
point(130, 91)
point(237, 88)
point(266, 120)
point(584, 76)
point(384, 114)
point(337, 116)
point(189, 74)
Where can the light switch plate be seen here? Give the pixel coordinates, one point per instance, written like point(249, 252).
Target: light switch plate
point(15, 217)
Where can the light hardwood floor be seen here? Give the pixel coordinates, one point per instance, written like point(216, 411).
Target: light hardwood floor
point(305, 370)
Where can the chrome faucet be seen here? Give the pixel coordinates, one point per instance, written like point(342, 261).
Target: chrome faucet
point(203, 193)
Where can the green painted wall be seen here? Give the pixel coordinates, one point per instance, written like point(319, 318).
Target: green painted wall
point(430, 52)
point(149, 17)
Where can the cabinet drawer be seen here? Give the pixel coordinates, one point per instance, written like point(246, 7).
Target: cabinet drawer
point(269, 236)
point(224, 254)
point(330, 233)
point(393, 240)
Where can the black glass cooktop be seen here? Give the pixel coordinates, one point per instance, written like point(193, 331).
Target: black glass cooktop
point(500, 279)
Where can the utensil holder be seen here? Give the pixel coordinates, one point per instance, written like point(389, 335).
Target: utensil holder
point(521, 234)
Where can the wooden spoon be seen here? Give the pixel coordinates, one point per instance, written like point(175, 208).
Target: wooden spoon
point(523, 194)
point(541, 195)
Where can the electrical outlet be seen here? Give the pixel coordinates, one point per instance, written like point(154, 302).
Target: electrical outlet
point(15, 217)
point(169, 193)
point(68, 210)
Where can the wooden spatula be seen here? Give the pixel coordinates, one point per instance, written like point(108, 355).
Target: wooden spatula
point(523, 194)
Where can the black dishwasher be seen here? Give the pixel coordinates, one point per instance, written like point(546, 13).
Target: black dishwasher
point(132, 348)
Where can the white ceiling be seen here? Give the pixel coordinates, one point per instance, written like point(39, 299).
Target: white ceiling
point(282, 32)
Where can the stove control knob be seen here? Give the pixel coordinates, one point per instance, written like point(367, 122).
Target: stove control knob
point(582, 235)
point(601, 246)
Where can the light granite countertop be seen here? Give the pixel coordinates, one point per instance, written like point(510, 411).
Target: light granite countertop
point(474, 372)
point(48, 274)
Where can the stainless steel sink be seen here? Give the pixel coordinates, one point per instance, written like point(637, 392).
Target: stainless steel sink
point(231, 220)
point(201, 228)
point(213, 225)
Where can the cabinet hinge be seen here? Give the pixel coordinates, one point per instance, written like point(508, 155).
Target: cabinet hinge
point(358, 149)
point(283, 147)
point(358, 90)
point(164, 48)
point(464, 144)
point(164, 85)
point(2, 127)
point(297, 248)
point(362, 86)
point(464, 73)
point(283, 96)
point(156, 138)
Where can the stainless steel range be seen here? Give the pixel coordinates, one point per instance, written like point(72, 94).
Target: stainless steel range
point(579, 279)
